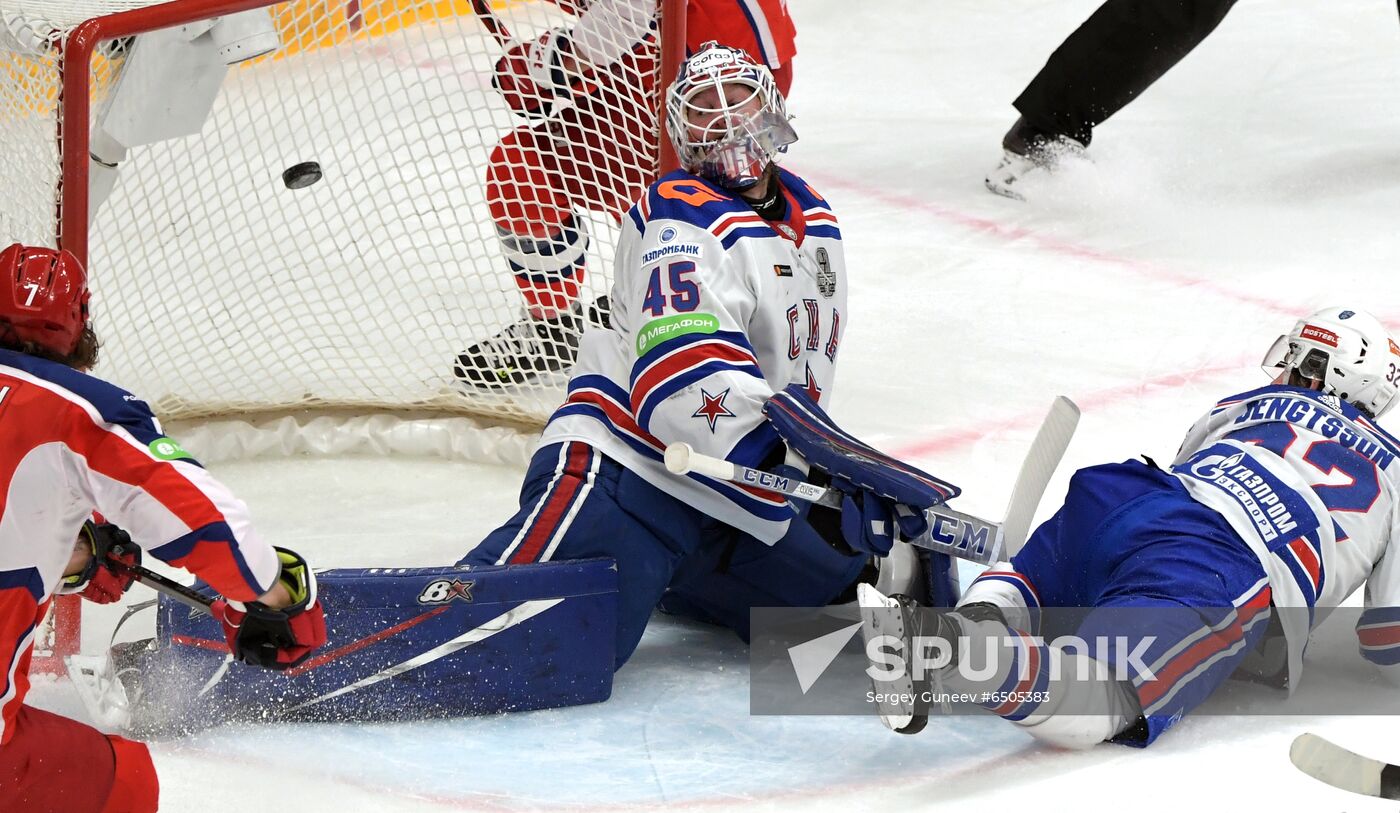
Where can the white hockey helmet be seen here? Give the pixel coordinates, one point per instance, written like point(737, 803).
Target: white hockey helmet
point(1349, 351)
point(732, 133)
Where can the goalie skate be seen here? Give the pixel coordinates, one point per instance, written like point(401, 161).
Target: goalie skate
point(903, 700)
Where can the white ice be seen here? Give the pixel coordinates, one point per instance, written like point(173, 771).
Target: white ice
point(1259, 180)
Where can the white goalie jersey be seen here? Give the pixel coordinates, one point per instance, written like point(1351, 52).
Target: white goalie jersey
point(1313, 486)
point(713, 310)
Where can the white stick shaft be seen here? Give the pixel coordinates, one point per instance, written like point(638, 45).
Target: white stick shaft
point(951, 532)
point(1040, 464)
point(681, 458)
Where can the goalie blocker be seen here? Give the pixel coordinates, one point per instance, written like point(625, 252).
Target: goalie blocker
point(403, 643)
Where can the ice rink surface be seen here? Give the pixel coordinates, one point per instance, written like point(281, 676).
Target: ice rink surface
point(1258, 181)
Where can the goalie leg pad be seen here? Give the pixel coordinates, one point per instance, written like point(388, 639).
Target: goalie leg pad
point(408, 643)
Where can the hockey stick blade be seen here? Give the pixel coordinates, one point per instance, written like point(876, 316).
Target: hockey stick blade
point(1041, 461)
point(1340, 768)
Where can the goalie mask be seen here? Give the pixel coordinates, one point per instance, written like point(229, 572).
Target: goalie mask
point(1349, 351)
point(727, 120)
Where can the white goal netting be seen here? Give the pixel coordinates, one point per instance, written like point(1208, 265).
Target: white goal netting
point(218, 290)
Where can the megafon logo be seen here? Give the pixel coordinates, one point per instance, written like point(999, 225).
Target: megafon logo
point(810, 660)
point(1319, 334)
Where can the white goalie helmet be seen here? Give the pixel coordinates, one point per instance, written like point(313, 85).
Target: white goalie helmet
point(1349, 351)
point(726, 118)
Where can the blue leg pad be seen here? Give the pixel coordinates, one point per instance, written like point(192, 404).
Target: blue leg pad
point(407, 643)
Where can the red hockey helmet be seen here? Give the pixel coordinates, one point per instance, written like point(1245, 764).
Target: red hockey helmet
point(43, 297)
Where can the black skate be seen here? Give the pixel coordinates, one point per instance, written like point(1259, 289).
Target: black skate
point(902, 701)
point(529, 348)
point(1026, 149)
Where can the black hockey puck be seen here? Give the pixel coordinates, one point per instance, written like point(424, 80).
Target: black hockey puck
point(302, 175)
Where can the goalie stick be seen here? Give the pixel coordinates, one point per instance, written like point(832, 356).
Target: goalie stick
point(1340, 768)
point(950, 532)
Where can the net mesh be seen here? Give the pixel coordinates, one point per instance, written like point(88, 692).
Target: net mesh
point(218, 290)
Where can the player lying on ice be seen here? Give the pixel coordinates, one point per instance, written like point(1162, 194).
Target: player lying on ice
point(1280, 500)
point(730, 285)
point(74, 444)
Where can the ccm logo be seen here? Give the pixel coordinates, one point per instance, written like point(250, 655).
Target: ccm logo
point(445, 590)
point(1318, 334)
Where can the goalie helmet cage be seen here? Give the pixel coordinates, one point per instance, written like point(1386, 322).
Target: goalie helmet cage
point(218, 291)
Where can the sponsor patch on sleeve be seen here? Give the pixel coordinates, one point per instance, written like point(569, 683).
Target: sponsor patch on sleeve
point(659, 330)
point(169, 449)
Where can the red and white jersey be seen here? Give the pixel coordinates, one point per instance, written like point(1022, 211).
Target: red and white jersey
point(608, 29)
point(763, 28)
point(71, 444)
point(713, 310)
point(1313, 486)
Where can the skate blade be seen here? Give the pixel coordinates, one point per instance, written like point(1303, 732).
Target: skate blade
point(1002, 188)
point(102, 694)
point(897, 703)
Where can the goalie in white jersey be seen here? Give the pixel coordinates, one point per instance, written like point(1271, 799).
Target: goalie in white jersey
point(730, 285)
point(1281, 503)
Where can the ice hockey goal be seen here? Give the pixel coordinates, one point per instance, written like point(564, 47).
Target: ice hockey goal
point(220, 290)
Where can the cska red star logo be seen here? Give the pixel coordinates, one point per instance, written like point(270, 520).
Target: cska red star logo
point(712, 408)
point(810, 385)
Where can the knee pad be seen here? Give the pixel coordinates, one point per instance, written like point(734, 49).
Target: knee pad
point(548, 270)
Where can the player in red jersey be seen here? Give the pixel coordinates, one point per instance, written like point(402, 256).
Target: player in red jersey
point(588, 92)
point(70, 445)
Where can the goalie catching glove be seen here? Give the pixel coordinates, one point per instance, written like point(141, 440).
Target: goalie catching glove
point(107, 574)
point(880, 494)
point(276, 638)
point(535, 77)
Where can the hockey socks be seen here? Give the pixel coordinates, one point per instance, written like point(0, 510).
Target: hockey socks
point(921, 657)
point(1057, 695)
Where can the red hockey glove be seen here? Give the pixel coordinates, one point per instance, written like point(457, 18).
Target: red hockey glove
point(103, 581)
point(276, 639)
point(532, 76)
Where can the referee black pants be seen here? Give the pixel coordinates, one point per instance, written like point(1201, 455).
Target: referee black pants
point(1114, 56)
